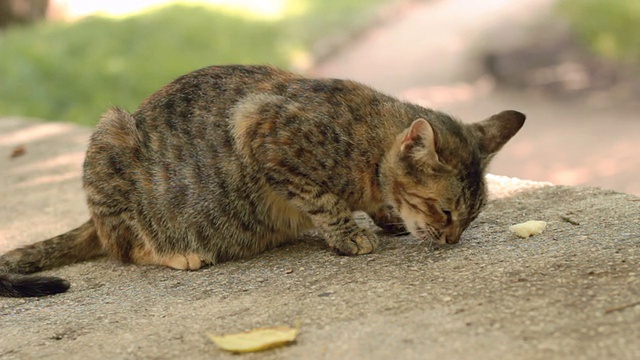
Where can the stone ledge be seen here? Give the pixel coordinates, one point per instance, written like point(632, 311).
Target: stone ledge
point(500, 186)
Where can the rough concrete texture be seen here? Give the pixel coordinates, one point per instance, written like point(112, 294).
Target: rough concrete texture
point(493, 296)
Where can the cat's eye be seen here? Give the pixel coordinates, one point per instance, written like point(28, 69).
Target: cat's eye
point(447, 213)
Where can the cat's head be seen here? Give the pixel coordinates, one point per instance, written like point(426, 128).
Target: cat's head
point(434, 174)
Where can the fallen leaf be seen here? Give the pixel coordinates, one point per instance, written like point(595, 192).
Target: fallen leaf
point(18, 151)
point(526, 229)
point(256, 339)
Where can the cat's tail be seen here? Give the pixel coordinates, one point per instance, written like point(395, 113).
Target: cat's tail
point(77, 245)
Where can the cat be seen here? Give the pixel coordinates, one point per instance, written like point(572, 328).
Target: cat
point(228, 161)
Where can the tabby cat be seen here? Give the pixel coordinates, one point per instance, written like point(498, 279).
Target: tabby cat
point(229, 161)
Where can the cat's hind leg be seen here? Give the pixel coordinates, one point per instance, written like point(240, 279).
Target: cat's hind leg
point(146, 255)
point(122, 242)
point(112, 171)
point(190, 261)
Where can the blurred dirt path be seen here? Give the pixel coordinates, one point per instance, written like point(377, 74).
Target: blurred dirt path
point(428, 55)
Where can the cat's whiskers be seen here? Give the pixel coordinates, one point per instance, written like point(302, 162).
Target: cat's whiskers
point(429, 235)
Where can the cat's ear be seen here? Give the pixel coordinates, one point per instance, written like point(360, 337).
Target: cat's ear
point(420, 140)
point(495, 131)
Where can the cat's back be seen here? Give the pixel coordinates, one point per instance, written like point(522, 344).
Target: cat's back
point(208, 93)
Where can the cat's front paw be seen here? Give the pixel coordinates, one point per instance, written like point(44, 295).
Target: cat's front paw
point(362, 242)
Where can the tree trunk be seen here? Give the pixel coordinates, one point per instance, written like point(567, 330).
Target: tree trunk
point(22, 11)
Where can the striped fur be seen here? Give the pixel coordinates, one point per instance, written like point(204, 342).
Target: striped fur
point(229, 161)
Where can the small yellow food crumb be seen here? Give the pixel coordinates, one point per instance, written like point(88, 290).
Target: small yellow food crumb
point(529, 228)
point(256, 339)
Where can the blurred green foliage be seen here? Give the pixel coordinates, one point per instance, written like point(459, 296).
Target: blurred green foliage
point(75, 71)
point(610, 27)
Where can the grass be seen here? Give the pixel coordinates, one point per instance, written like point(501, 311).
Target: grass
point(75, 71)
point(609, 27)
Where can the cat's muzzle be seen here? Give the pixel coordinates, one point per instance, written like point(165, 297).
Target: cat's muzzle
point(452, 236)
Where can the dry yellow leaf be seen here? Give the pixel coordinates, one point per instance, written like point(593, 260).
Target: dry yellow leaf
point(256, 339)
point(528, 228)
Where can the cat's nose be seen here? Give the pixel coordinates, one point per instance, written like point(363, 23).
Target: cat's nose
point(453, 236)
point(451, 240)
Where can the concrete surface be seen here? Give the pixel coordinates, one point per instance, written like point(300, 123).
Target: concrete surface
point(493, 296)
point(565, 294)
